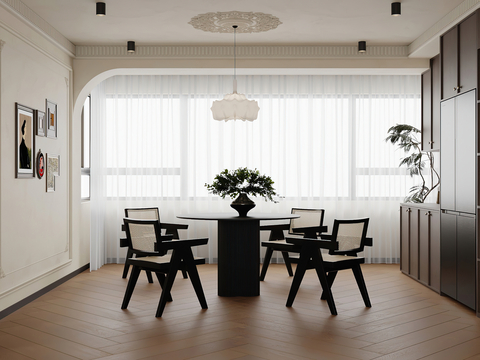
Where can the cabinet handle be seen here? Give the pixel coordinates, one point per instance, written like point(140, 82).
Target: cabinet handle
point(431, 142)
point(455, 88)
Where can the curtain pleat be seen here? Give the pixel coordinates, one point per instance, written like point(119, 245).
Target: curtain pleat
point(320, 138)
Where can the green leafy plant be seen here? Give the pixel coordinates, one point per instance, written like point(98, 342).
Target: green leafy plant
point(404, 137)
point(243, 180)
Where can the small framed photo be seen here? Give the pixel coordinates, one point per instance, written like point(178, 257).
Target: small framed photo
point(40, 123)
point(53, 170)
point(24, 141)
point(40, 164)
point(52, 121)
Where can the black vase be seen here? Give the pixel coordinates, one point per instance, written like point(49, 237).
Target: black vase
point(242, 204)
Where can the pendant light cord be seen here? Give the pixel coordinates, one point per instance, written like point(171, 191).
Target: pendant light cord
point(235, 51)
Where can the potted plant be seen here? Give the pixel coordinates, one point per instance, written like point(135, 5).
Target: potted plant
point(242, 182)
point(404, 136)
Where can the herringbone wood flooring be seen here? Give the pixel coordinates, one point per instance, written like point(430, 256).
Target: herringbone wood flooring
point(82, 319)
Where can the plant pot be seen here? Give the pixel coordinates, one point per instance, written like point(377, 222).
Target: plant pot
point(242, 204)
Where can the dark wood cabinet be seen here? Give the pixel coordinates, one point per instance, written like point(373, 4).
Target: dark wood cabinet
point(458, 49)
point(420, 243)
point(458, 271)
point(431, 106)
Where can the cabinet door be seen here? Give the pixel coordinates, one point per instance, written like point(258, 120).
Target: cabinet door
point(424, 246)
point(449, 51)
point(435, 68)
point(467, 59)
point(447, 155)
point(404, 239)
point(448, 254)
point(426, 110)
point(435, 250)
point(466, 261)
point(465, 154)
point(414, 250)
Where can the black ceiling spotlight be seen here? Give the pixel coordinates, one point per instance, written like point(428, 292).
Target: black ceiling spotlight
point(101, 9)
point(131, 46)
point(396, 9)
point(362, 46)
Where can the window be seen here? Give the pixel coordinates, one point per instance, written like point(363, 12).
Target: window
point(85, 170)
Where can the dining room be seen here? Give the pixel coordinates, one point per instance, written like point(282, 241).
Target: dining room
point(304, 97)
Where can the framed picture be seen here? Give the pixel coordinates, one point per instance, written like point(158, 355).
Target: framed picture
point(53, 169)
point(40, 164)
point(40, 123)
point(24, 141)
point(51, 110)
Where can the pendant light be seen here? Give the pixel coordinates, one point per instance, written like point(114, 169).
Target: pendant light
point(235, 106)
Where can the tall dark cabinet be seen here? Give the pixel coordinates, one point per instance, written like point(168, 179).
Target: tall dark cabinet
point(431, 106)
point(458, 161)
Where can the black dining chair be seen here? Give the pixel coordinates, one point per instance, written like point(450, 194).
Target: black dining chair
point(148, 213)
point(309, 224)
point(145, 235)
point(348, 238)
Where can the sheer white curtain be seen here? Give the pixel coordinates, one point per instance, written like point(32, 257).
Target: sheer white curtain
point(320, 138)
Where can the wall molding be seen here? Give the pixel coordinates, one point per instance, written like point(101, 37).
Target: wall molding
point(41, 292)
point(21, 10)
point(247, 51)
point(35, 279)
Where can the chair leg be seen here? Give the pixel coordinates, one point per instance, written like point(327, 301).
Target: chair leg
point(130, 286)
point(190, 266)
point(288, 263)
point(357, 271)
point(298, 277)
point(127, 265)
point(330, 278)
point(184, 273)
point(318, 262)
point(149, 276)
point(172, 272)
point(161, 281)
point(266, 262)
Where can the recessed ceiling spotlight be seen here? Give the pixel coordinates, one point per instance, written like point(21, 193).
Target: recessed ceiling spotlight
point(396, 9)
point(101, 9)
point(362, 46)
point(131, 46)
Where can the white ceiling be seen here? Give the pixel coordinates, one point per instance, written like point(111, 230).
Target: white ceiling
point(312, 22)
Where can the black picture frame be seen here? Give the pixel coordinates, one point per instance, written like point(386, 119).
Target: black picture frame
point(24, 142)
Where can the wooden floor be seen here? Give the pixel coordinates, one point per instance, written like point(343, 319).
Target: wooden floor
point(82, 319)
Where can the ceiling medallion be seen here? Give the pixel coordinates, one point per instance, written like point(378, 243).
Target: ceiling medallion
point(247, 22)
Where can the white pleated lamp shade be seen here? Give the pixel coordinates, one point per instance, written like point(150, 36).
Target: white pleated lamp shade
point(235, 107)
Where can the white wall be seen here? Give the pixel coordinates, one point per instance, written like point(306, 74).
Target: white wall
point(41, 237)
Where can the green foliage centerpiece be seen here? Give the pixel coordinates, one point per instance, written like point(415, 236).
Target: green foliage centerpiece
point(404, 137)
point(242, 182)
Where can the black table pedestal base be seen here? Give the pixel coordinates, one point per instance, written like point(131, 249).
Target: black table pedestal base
point(238, 257)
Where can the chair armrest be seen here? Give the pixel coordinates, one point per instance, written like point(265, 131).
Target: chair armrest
point(317, 243)
point(368, 241)
point(275, 227)
point(176, 244)
point(123, 243)
point(310, 231)
point(326, 236)
point(173, 226)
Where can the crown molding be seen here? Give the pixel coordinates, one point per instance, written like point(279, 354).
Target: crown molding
point(253, 51)
point(23, 12)
point(452, 18)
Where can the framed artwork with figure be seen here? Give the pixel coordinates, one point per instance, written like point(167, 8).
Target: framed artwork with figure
point(24, 141)
point(52, 122)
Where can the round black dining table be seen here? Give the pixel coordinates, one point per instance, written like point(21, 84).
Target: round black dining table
point(238, 250)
